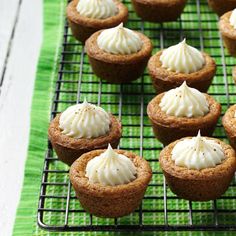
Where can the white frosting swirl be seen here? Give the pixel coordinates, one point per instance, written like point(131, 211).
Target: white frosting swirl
point(184, 102)
point(182, 58)
point(84, 121)
point(232, 19)
point(97, 9)
point(119, 40)
point(110, 169)
point(197, 153)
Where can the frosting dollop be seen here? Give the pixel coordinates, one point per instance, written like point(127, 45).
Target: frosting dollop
point(197, 153)
point(84, 120)
point(97, 9)
point(232, 19)
point(110, 169)
point(182, 58)
point(119, 40)
point(184, 102)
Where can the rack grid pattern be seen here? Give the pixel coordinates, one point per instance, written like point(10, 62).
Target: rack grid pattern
point(59, 210)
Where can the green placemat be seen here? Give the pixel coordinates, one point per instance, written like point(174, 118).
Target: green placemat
point(202, 35)
point(26, 217)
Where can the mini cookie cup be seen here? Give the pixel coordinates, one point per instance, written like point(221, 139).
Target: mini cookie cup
point(110, 201)
point(83, 27)
point(164, 79)
point(234, 74)
point(222, 6)
point(68, 149)
point(159, 10)
point(118, 68)
point(229, 123)
point(198, 185)
point(170, 128)
point(228, 33)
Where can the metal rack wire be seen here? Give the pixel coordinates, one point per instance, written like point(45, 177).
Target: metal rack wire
point(59, 210)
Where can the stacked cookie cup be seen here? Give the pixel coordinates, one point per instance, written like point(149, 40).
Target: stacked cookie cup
point(108, 182)
point(183, 117)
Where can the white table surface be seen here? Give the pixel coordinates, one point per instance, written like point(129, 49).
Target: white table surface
point(19, 51)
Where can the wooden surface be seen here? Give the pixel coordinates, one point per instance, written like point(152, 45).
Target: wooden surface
point(20, 40)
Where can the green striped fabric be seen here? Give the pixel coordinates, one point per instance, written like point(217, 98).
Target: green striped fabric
point(199, 26)
point(25, 223)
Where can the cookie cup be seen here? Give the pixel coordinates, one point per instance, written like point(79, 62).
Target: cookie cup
point(159, 10)
point(110, 201)
point(229, 123)
point(68, 149)
point(222, 6)
point(118, 68)
point(234, 74)
point(83, 27)
point(164, 79)
point(228, 33)
point(170, 128)
point(198, 185)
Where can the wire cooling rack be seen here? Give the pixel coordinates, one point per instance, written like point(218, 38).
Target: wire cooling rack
point(59, 210)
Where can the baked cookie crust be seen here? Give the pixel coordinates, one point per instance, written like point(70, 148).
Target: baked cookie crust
point(118, 68)
point(198, 185)
point(234, 74)
point(228, 33)
point(164, 79)
point(69, 149)
point(222, 6)
point(229, 123)
point(110, 201)
point(170, 128)
point(83, 27)
point(159, 10)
